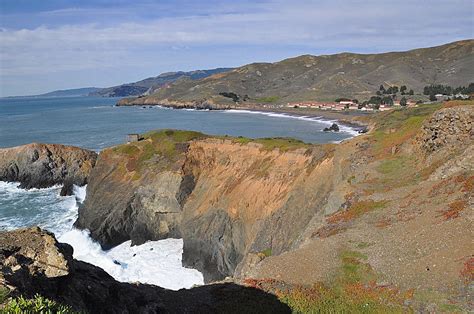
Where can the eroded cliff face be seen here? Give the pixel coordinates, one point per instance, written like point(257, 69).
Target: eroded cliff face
point(45, 165)
point(225, 197)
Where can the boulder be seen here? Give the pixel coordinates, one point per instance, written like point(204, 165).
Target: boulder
point(333, 128)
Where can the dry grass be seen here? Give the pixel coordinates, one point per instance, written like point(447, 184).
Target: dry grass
point(353, 290)
point(467, 273)
point(455, 209)
point(356, 210)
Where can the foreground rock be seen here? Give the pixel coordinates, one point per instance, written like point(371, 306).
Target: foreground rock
point(32, 261)
point(45, 165)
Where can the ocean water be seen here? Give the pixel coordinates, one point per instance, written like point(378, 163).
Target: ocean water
point(95, 123)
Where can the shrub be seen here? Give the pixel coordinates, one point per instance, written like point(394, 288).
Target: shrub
point(356, 210)
point(38, 304)
point(353, 291)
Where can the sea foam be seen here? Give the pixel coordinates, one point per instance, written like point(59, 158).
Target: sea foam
point(343, 128)
point(154, 262)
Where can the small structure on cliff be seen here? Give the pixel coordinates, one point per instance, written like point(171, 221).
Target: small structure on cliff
point(133, 138)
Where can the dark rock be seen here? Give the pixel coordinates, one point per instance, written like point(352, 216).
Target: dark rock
point(363, 130)
point(31, 258)
point(333, 128)
point(67, 189)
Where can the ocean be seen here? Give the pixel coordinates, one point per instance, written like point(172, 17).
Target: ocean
point(95, 123)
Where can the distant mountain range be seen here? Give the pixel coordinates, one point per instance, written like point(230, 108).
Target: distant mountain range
point(303, 78)
point(151, 84)
point(324, 77)
point(75, 92)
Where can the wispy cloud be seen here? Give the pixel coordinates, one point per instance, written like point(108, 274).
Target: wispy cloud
point(123, 37)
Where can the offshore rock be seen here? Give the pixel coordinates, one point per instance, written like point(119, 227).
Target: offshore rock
point(45, 165)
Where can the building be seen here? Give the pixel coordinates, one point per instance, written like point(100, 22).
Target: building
point(133, 138)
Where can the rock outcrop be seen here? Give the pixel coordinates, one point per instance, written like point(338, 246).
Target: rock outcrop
point(45, 165)
point(32, 261)
point(225, 197)
point(195, 104)
point(334, 128)
point(451, 128)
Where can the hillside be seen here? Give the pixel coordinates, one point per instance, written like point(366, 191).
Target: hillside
point(384, 215)
point(324, 77)
point(150, 84)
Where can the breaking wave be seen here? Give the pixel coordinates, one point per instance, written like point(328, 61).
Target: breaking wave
point(154, 262)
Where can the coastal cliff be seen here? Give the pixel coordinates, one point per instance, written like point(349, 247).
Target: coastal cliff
point(45, 165)
point(286, 210)
point(224, 196)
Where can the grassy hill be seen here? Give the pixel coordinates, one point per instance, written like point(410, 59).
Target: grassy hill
point(327, 77)
point(152, 83)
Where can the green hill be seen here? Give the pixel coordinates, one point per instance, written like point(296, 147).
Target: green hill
point(325, 77)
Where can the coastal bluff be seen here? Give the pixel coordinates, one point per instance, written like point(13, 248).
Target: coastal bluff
point(279, 209)
point(45, 165)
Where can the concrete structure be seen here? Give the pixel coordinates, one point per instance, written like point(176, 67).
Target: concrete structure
point(133, 138)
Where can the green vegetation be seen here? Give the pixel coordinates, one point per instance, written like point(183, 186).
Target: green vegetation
point(177, 136)
point(270, 143)
point(163, 144)
point(3, 294)
point(447, 90)
point(353, 291)
point(356, 210)
point(128, 149)
point(269, 99)
point(38, 304)
point(267, 252)
point(397, 126)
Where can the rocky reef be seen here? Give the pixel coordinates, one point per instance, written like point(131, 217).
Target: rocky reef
point(45, 165)
point(32, 261)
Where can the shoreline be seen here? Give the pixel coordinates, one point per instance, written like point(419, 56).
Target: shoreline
point(348, 119)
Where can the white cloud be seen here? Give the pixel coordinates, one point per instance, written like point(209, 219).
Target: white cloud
point(315, 26)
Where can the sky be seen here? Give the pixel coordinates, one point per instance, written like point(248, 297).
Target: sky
point(57, 44)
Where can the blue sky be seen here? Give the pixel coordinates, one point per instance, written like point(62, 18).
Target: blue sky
point(49, 45)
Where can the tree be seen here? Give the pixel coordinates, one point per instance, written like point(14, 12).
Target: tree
point(377, 106)
point(375, 100)
point(403, 102)
point(387, 100)
point(403, 88)
point(411, 92)
point(433, 97)
point(379, 93)
point(381, 88)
